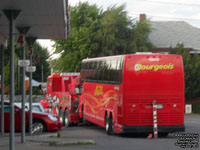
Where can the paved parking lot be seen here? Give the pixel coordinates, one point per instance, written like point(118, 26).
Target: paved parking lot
point(95, 138)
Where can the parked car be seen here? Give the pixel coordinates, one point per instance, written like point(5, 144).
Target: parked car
point(35, 106)
point(42, 122)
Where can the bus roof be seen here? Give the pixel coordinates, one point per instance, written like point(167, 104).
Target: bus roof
point(116, 56)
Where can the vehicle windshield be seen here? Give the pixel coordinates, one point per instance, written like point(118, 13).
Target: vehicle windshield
point(19, 105)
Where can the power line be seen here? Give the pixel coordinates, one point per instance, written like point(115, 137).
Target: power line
point(196, 20)
point(175, 18)
point(171, 3)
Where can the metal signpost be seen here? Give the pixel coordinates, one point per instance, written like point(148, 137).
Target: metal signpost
point(2, 89)
point(30, 41)
point(23, 63)
point(11, 15)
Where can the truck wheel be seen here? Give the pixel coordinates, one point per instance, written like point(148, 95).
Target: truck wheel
point(83, 114)
point(109, 125)
point(38, 127)
point(66, 118)
point(61, 116)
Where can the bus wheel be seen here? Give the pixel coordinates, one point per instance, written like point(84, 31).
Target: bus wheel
point(61, 116)
point(109, 125)
point(66, 118)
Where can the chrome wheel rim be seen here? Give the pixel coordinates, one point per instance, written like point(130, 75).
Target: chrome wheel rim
point(107, 125)
point(66, 120)
point(61, 116)
point(37, 128)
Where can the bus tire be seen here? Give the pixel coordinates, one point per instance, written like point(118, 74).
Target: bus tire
point(109, 125)
point(66, 118)
point(61, 116)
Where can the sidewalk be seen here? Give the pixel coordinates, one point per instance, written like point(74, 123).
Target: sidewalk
point(46, 141)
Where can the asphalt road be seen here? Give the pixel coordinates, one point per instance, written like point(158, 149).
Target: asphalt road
point(102, 141)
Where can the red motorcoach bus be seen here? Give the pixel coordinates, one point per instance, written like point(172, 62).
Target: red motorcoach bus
point(118, 91)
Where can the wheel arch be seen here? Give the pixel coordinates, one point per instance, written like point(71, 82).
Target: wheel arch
point(43, 122)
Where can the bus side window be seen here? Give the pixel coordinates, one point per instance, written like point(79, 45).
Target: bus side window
point(96, 70)
point(105, 70)
point(121, 68)
point(87, 71)
point(113, 70)
point(83, 70)
point(101, 70)
point(117, 70)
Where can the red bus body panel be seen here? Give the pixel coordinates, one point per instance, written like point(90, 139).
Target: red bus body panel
point(145, 77)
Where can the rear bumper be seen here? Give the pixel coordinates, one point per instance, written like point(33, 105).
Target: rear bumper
point(161, 128)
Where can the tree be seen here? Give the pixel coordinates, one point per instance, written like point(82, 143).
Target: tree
point(42, 65)
point(140, 34)
point(43, 54)
point(96, 33)
point(191, 71)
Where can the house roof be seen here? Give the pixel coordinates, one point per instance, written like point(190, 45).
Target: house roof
point(165, 34)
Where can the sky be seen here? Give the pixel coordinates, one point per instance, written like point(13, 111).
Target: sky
point(155, 10)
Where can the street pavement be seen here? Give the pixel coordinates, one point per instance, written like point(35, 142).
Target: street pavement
point(95, 138)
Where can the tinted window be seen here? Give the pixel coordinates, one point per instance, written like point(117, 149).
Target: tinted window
point(107, 75)
point(107, 70)
point(36, 108)
point(6, 108)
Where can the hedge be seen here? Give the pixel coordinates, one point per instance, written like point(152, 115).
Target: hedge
point(196, 107)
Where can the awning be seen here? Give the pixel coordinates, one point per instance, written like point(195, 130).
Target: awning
point(47, 18)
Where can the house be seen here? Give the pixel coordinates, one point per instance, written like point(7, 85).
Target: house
point(166, 34)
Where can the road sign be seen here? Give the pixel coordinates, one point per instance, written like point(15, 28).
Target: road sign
point(30, 50)
point(20, 40)
point(31, 69)
point(23, 63)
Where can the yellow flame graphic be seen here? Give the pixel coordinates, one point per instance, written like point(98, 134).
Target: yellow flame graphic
point(99, 104)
